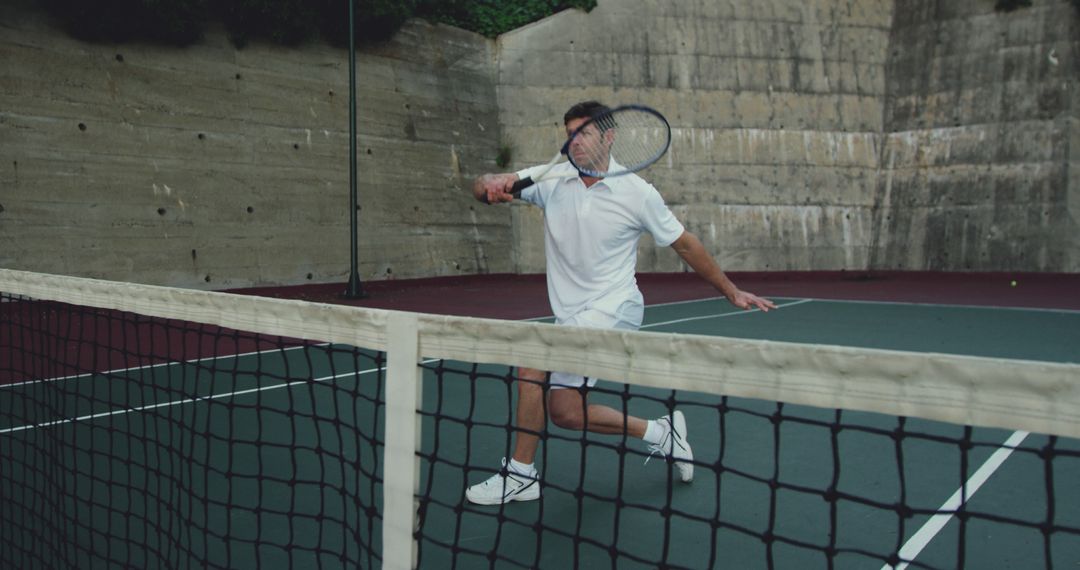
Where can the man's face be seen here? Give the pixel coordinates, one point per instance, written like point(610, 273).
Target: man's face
point(590, 148)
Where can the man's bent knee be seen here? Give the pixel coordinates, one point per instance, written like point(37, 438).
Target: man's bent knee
point(567, 416)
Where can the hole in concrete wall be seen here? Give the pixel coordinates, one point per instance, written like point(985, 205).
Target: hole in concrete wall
point(194, 255)
point(369, 151)
point(250, 209)
point(120, 58)
point(309, 276)
point(82, 126)
point(1, 208)
point(202, 136)
point(331, 92)
point(389, 271)
point(296, 146)
point(238, 76)
point(207, 278)
point(161, 211)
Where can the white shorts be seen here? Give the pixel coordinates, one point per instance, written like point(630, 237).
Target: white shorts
point(628, 317)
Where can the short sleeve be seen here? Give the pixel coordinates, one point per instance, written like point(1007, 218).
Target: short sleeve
point(658, 220)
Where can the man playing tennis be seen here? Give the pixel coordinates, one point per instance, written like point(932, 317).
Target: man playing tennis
point(591, 231)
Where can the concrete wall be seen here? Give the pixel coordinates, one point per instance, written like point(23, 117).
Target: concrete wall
point(981, 123)
point(809, 134)
point(214, 167)
point(828, 134)
point(776, 109)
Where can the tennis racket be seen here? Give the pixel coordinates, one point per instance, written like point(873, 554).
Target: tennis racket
point(623, 140)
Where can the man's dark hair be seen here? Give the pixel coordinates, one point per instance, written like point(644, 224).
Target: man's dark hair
point(585, 110)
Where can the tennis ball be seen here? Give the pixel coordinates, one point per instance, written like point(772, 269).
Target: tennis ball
point(1012, 283)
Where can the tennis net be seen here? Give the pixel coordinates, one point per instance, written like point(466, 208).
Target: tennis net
point(155, 427)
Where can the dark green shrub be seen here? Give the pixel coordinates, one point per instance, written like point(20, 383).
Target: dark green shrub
point(287, 22)
point(493, 17)
point(178, 22)
point(376, 20)
point(1010, 5)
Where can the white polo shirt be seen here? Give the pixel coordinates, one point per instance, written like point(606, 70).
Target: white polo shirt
point(591, 237)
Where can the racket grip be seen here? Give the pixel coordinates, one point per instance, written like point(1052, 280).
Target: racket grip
point(521, 185)
point(518, 186)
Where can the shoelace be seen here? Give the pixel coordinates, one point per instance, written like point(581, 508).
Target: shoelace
point(520, 478)
point(669, 436)
point(659, 446)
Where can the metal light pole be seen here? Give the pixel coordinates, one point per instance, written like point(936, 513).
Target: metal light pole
point(355, 289)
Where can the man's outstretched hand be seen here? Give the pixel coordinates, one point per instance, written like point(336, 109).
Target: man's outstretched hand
point(494, 188)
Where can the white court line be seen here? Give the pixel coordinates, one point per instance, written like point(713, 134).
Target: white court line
point(241, 355)
point(722, 315)
point(949, 305)
point(152, 366)
point(932, 527)
point(186, 401)
point(274, 387)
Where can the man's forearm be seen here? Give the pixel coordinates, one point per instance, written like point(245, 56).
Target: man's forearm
point(690, 249)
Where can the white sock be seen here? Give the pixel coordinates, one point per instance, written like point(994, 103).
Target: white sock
point(655, 432)
point(522, 468)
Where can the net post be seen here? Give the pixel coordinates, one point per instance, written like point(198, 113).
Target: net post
point(354, 289)
point(401, 466)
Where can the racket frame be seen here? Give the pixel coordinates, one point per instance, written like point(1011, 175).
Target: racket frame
point(524, 183)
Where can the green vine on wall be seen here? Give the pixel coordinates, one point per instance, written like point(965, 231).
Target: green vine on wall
point(493, 17)
point(288, 22)
point(1010, 5)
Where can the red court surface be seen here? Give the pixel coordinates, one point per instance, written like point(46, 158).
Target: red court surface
point(508, 296)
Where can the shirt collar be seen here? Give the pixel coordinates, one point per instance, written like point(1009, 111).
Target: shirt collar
point(608, 182)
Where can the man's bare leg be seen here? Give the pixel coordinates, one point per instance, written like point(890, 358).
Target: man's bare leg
point(569, 409)
point(530, 413)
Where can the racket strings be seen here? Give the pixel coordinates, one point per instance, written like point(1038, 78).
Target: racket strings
point(624, 141)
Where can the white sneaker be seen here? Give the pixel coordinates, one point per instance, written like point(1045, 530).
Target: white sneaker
point(674, 444)
point(503, 487)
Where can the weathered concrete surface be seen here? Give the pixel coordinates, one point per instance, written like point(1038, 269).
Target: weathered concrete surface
point(809, 134)
point(828, 134)
point(776, 108)
point(212, 167)
point(980, 122)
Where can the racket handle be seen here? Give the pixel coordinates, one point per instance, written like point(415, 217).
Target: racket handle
point(521, 185)
point(518, 186)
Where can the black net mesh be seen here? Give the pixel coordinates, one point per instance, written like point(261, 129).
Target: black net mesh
point(129, 440)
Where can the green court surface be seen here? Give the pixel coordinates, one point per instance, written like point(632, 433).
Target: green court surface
point(245, 469)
